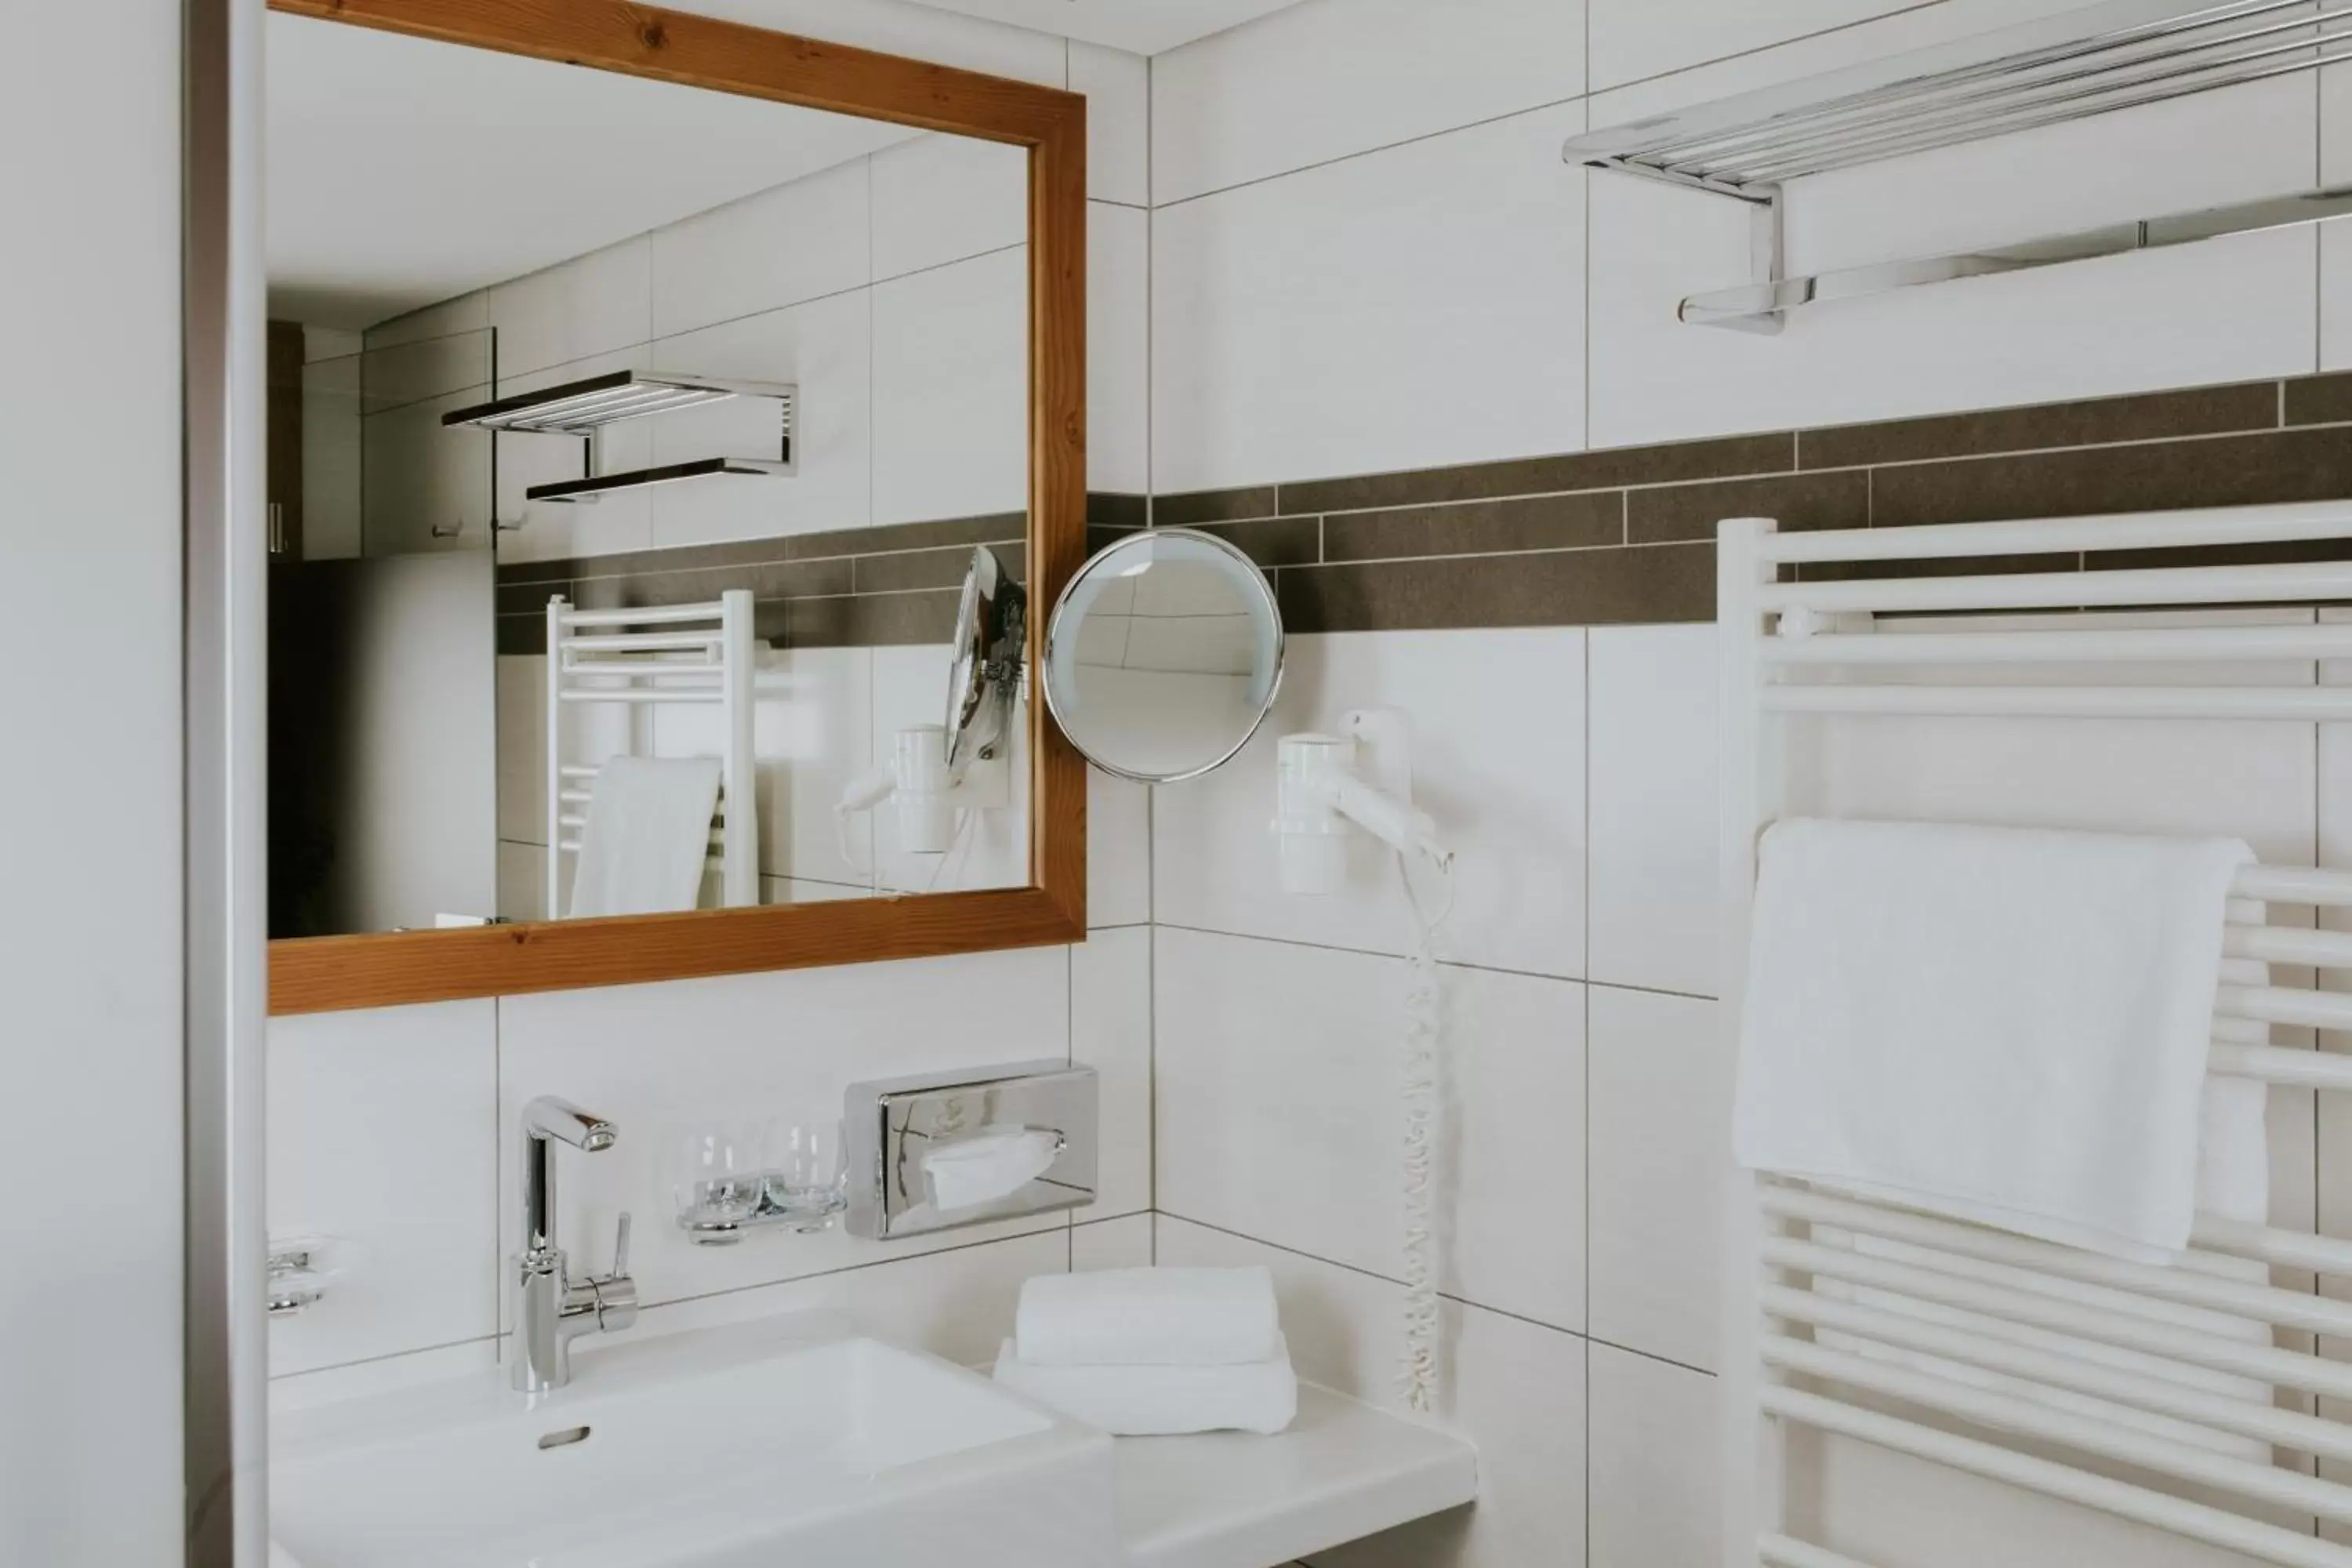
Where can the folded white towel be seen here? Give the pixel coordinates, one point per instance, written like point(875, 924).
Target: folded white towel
point(281, 1558)
point(648, 836)
point(2008, 1026)
point(1149, 1317)
point(1162, 1401)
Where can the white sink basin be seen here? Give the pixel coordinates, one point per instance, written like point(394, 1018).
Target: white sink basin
point(757, 1447)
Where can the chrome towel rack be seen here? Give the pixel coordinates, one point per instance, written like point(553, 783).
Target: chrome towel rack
point(2123, 54)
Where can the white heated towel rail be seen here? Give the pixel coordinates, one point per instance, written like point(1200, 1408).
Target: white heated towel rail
point(693, 655)
point(1817, 1281)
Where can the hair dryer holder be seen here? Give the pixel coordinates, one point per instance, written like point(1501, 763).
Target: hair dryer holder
point(1333, 788)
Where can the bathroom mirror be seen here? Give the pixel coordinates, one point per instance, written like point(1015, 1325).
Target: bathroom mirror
point(1163, 655)
point(661, 458)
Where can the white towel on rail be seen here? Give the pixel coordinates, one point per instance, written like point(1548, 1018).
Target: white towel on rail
point(2008, 1026)
point(648, 833)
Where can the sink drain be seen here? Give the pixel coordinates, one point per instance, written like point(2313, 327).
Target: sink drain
point(565, 1438)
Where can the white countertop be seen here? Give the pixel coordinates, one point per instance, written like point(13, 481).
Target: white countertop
point(1233, 1499)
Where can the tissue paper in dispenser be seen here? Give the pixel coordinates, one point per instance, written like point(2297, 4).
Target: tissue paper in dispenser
point(991, 1163)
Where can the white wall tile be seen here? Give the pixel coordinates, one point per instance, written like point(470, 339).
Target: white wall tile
point(1498, 759)
point(589, 305)
point(1513, 1388)
point(1652, 774)
point(658, 1059)
point(1330, 78)
point(466, 313)
point(1110, 1031)
point(1278, 1114)
point(1123, 1243)
point(1117, 88)
point(1118, 850)
point(1636, 38)
point(1412, 307)
point(2083, 329)
point(777, 247)
point(1655, 1458)
point(951, 399)
point(958, 1303)
point(1659, 1129)
point(2334, 245)
point(383, 1133)
point(822, 348)
point(1119, 348)
point(941, 198)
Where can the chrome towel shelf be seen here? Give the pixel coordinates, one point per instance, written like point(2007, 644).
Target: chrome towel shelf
point(582, 408)
point(577, 407)
point(2123, 54)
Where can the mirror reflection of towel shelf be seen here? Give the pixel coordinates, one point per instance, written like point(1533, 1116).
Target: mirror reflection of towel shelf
point(582, 408)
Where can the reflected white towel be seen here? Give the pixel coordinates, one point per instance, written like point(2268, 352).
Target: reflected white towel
point(281, 1558)
point(1162, 1401)
point(2008, 1026)
point(1149, 1317)
point(648, 836)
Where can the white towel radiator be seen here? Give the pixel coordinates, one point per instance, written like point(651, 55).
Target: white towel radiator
point(672, 654)
point(2058, 1325)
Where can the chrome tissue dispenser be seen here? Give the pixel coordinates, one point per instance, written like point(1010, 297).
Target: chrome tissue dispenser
point(1031, 1125)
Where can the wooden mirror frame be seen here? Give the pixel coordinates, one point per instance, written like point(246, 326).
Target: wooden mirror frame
point(311, 974)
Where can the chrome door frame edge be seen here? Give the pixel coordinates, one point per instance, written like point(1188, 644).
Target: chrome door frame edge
point(224, 633)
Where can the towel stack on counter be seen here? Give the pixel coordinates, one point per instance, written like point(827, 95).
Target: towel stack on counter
point(1154, 1352)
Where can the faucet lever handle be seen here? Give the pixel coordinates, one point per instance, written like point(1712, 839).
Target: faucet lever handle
point(621, 1248)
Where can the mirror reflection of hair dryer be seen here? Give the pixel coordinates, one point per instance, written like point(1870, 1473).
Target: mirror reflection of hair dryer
point(937, 770)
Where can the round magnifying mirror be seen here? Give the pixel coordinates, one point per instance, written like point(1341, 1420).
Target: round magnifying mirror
point(1163, 655)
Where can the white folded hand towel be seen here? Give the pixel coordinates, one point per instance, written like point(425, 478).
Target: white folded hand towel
point(648, 836)
point(1162, 1401)
point(2004, 1024)
point(1149, 1317)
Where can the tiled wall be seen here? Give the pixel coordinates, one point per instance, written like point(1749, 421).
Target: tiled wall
point(891, 288)
point(1433, 378)
point(1359, 255)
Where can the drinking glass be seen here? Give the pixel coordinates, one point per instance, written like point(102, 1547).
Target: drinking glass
point(718, 1170)
point(806, 1178)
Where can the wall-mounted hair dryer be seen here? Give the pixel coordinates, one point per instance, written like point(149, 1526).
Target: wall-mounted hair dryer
point(1332, 787)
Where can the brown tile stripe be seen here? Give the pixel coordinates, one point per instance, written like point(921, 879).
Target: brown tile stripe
point(812, 589)
point(1596, 538)
point(1623, 534)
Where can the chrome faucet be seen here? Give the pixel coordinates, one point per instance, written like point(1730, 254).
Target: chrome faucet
point(551, 1310)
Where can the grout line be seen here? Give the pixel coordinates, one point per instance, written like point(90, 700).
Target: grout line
point(1442, 1295)
point(1059, 1222)
point(1743, 53)
point(289, 1377)
point(1443, 964)
point(1625, 533)
point(1373, 152)
point(1585, 1003)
